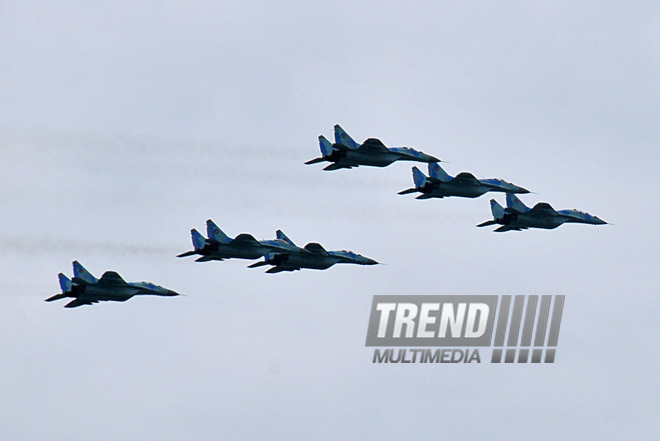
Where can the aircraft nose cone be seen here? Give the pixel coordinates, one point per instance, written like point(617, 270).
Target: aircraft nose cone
point(371, 262)
point(433, 159)
point(522, 190)
point(172, 293)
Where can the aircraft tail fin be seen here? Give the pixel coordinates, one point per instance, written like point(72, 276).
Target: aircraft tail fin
point(341, 137)
point(496, 209)
point(215, 233)
point(279, 234)
point(65, 283)
point(325, 145)
point(197, 239)
point(80, 274)
point(419, 178)
point(514, 203)
point(436, 172)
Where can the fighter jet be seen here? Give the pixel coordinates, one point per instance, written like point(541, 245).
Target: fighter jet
point(517, 216)
point(439, 184)
point(346, 153)
point(219, 246)
point(86, 289)
point(312, 256)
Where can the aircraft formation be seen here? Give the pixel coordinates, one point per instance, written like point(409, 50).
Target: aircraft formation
point(281, 254)
point(346, 153)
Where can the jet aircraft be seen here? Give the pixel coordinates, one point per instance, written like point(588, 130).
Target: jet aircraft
point(346, 153)
point(439, 184)
point(517, 216)
point(85, 289)
point(312, 256)
point(219, 246)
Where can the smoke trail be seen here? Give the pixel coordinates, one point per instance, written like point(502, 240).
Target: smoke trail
point(45, 245)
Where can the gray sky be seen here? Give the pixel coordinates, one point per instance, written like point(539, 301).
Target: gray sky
point(122, 127)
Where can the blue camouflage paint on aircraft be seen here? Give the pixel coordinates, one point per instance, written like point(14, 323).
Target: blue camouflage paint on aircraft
point(439, 184)
point(219, 246)
point(86, 289)
point(517, 216)
point(312, 256)
point(346, 153)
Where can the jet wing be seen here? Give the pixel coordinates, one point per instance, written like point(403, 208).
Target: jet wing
point(542, 209)
point(316, 249)
point(280, 268)
point(336, 166)
point(245, 240)
point(508, 228)
point(466, 178)
point(208, 258)
point(79, 302)
point(110, 278)
point(373, 146)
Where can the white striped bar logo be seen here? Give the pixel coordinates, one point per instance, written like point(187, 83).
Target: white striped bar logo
point(520, 328)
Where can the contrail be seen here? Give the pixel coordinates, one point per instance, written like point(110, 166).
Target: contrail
point(47, 245)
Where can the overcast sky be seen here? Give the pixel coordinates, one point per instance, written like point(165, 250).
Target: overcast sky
point(123, 127)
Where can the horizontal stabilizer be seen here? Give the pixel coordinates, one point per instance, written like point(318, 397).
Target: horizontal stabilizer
point(408, 191)
point(427, 196)
point(187, 253)
point(56, 297)
point(315, 161)
point(258, 264)
point(487, 223)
